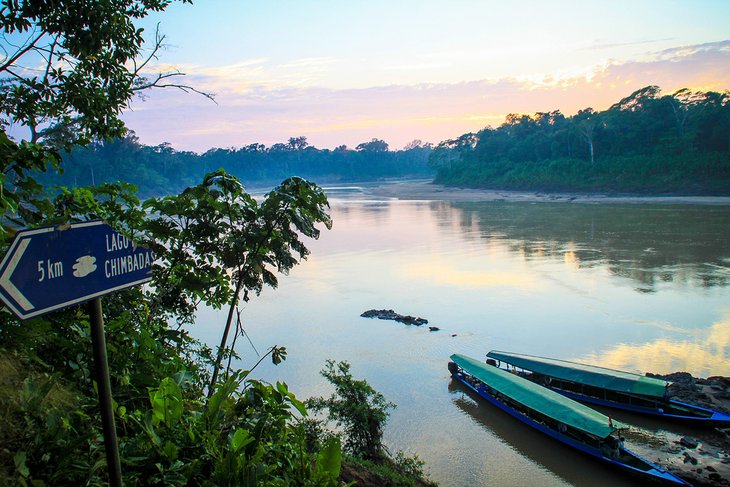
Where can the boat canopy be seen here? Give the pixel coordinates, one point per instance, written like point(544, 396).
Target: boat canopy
point(591, 375)
point(538, 398)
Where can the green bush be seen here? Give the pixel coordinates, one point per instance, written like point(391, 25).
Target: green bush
point(362, 412)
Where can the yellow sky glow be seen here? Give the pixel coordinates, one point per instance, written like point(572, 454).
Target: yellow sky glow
point(702, 357)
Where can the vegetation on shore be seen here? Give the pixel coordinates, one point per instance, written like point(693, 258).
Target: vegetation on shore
point(360, 414)
point(164, 170)
point(646, 143)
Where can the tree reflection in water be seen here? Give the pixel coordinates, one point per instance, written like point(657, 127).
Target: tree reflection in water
point(649, 244)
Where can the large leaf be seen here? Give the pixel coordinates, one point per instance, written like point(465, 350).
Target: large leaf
point(167, 403)
point(329, 461)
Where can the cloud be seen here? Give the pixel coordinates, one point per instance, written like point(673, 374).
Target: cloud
point(701, 357)
point(258, 103)
point(596, 46)
point(675, 53)
point(316, 62)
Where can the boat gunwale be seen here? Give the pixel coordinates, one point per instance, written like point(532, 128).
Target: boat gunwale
point(592, 375)
point(715, 418)
point(695, 413)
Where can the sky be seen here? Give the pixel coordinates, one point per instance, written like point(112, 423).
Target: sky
point(347, 71)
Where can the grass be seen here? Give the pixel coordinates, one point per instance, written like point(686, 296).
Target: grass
point(386, 473)
point(25, 394)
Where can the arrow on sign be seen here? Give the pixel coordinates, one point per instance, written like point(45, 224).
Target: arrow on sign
point(7, 284)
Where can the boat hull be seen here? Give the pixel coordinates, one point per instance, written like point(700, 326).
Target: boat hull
point(716, 419)
point(655, 473)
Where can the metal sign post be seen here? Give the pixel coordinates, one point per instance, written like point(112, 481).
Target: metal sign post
point(50, 268)
point(98, 344)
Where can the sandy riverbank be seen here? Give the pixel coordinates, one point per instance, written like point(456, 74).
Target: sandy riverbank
point(702, 458)
point(426, 190)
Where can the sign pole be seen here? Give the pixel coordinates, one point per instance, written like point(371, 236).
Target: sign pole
point(98, 344)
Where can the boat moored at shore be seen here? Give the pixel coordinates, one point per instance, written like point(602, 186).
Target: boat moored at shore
point(555, 415)
point(607, 387)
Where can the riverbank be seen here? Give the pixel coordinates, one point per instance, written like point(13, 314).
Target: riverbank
point(426, 190)
point(702, 458)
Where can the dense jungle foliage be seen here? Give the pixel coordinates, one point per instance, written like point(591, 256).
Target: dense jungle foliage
point(183, 415)
point(645, 143)
point(164, 170)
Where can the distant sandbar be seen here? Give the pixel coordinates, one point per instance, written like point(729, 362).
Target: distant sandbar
point(426, 190)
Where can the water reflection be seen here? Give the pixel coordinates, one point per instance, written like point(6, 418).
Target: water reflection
point(709, 355)
point(449, 275)
point(647, 244)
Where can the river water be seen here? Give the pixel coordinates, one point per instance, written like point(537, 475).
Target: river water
point(642, 288)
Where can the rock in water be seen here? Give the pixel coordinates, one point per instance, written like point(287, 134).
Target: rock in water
point(389, 314)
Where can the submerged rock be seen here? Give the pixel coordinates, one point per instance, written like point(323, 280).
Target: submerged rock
point(688, 442)
point(389, 314)
point(715, 477)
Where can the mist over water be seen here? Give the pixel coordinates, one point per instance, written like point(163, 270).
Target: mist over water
point(640, 288)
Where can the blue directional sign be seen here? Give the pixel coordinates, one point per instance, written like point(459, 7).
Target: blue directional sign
point(50, 268)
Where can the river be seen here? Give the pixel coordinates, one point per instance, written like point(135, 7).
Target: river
point(643, 288)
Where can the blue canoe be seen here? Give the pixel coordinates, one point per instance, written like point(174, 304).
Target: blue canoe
point(612, 388)
point(557, 416)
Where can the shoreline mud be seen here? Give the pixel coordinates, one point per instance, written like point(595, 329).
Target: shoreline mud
point(427, 190)
point(702, 458)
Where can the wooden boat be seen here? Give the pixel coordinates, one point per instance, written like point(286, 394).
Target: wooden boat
point(606, 387)
point(557, 416)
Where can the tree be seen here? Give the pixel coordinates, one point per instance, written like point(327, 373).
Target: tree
point(358, 408)
point(219, 245)
point(417, 144)
point(92, 61)
point(451, 151)
point(375, 145)
point(586, 121)
point(637, 100)
point(297, 143)
point(680, 101)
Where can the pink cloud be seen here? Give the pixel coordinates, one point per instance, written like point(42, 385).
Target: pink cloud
point(399, 114)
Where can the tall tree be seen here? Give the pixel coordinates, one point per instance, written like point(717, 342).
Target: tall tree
point(220, 245)
point(586, 122)
point(297, 143)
